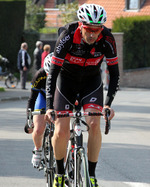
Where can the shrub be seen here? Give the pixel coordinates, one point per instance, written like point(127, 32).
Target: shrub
point(48, 30)
point(136, 40)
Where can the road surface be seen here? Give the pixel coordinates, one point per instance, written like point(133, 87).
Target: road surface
point(124, 158)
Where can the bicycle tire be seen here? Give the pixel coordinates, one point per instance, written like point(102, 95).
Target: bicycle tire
point(78, 182)
point(69, 166)
point(85, 169)
point(51, 172)
point(76, 168)
point(49, 161)
point(82, 178)
point(11, 81)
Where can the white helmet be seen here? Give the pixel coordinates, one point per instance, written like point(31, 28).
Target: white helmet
point(47, 62)
point(92, 14)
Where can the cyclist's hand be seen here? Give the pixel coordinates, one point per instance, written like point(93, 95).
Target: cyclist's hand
point(28, 129)
point(50, 115)
point(112, 113)
point(24, 68)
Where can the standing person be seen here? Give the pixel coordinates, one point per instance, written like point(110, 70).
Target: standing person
point(46, 51)
point(37, 54)
point(24, 62)
point(75, 69)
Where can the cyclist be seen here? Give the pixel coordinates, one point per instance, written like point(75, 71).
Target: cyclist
point(37, 101)
point(75, 69)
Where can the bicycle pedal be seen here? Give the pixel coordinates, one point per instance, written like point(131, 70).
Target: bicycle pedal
point(41, 167)
point(71, 174)
point(47, 171)
point(66, 181)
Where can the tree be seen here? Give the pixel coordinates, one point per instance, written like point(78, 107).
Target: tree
point(68, 12)
point(35, 16)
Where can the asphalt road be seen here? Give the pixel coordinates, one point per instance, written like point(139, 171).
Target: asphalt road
point(124, 158)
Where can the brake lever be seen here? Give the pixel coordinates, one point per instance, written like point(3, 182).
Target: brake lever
point(53, 115)
point(30, 118)
point(108, 125)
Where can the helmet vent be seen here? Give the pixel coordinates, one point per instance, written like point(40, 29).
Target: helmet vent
point(82, 9)
point(101, 16)
point(87, 11)
point(95, 12)
point(89, 15)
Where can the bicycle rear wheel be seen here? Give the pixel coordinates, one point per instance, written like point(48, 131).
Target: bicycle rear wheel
point(11, 81)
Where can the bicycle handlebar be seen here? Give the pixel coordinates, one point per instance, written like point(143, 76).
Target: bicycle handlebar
point(80, 114)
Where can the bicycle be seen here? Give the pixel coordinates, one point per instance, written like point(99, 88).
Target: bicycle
point(76, 166)
point(9, 79)
point(48, 161)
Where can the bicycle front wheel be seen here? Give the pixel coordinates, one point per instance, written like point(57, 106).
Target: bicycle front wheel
point(78, 180)
point(49, 162)
point(11, 81)
point(69, 166)
point(81, 176)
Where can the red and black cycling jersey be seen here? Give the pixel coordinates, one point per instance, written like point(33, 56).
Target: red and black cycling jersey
point(38, 84)
point(77, 60)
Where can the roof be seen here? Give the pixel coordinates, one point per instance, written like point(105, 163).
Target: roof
point(114, 9)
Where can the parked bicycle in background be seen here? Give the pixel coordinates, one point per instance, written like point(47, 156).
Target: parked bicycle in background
point(9, 79)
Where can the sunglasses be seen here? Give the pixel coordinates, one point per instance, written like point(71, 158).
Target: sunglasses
point(88, 29)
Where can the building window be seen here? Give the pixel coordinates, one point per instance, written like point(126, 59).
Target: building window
point(132, 4)
point(58, 2)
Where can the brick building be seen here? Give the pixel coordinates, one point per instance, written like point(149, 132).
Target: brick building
point(114, 9)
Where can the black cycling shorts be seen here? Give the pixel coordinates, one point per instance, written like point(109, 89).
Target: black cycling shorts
point(90, 91)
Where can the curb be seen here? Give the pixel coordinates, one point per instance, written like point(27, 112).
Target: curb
point(14, 98)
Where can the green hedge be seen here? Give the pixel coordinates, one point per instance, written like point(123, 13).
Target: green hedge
point(12, 15)
point(136, 40)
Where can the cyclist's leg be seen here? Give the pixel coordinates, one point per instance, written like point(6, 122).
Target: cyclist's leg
point(92, 101)
point(60, 138)
point(62, 104)
point(39, 123)
point(61, 133)
point(94, 139)
point(38, 131)
point(39, 127)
